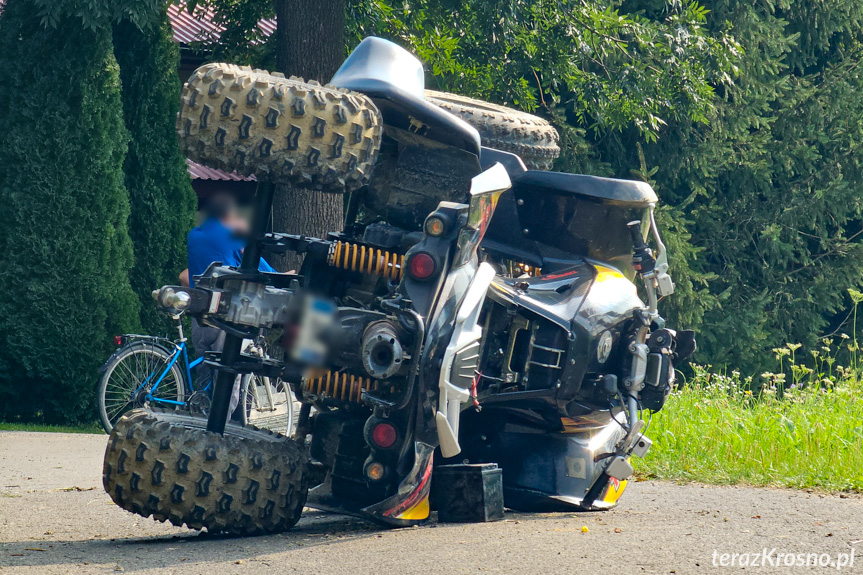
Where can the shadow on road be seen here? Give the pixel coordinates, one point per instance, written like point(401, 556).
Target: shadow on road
point(138, 553)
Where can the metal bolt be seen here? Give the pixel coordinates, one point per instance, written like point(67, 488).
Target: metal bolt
point(520, 202)
point(525, 231)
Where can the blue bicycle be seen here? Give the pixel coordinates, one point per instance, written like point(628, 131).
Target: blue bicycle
point(148, 370)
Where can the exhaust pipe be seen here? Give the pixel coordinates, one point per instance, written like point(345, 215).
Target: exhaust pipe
point(381, 350)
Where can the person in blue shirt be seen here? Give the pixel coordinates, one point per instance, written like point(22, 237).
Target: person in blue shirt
point(219, 238)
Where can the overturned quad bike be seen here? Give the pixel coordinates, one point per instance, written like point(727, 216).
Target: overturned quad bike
point(427, 331)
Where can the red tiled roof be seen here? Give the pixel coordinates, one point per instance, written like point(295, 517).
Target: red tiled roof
point(200, 172)
point(199, 27)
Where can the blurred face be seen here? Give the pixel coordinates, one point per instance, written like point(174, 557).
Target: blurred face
point(230, 217)
point(234, 222)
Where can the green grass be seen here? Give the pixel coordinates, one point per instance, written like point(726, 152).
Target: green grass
point(83, 428)
point(713, 430)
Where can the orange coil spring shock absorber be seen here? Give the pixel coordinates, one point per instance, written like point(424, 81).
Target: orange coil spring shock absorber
point(354, 257)
point(339, 386)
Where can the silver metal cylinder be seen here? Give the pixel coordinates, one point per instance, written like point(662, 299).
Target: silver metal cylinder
point(382, 352)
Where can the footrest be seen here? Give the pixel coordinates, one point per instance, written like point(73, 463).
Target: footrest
point(468, 493)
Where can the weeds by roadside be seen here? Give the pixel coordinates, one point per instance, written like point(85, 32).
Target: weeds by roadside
point(799, 428)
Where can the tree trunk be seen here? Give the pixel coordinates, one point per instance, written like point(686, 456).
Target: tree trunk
point(310, 43)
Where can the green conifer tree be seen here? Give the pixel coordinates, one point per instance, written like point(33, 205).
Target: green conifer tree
point(65, 251)
point(766, 195)
point(160, 192)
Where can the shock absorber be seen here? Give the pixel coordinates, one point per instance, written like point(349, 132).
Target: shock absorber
point(342, 386)
point(359, 258)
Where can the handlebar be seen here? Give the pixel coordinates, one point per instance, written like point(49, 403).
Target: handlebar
point(635, 231)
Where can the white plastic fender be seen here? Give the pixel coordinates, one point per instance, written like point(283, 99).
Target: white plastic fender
point(465, 333)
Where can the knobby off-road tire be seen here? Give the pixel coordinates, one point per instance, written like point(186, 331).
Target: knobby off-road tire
point(502, 128)
point(167, 465)
point(282, 130)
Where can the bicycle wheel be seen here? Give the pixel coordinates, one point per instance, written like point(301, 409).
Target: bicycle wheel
point(268, 404)
point(129, 376)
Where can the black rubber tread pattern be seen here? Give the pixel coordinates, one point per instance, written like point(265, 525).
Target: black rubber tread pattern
point(282, 130)
point(167, 465)
point(502, 128)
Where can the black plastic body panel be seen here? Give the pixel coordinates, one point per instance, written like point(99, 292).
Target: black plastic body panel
point(547, 215)
point(394, 79)
point(629, 193)
point(399, 108)
point(583, 301)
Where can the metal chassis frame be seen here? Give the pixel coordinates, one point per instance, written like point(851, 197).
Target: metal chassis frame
point(224, 378)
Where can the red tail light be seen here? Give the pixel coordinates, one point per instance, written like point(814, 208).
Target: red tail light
point(384, 435)
point(421, 266)
point(118, 339)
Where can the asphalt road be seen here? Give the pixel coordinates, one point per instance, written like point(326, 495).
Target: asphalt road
point(55, 518)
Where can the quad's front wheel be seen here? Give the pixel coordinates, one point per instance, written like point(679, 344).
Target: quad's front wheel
point(167, 465)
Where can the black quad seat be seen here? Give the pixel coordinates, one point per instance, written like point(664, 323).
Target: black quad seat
point(394, 79)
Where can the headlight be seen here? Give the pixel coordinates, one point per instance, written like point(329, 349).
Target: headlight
point(173, 300)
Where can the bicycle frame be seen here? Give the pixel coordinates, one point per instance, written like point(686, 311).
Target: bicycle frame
point(180, 350)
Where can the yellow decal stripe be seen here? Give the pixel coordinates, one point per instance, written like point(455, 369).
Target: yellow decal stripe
point(604, 274)
point(614, 491)
point(417, 512)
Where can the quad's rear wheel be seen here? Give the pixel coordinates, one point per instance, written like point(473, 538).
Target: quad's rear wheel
point(280, 129)
point(167, 465)
point(502, 128)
